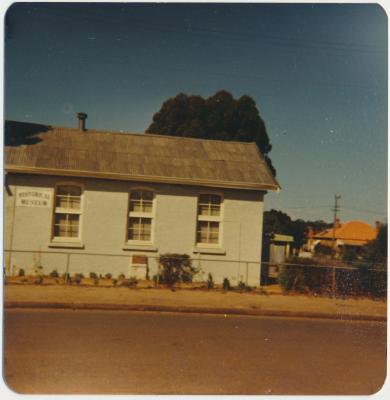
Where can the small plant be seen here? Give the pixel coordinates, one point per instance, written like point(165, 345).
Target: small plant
point(108, 276)
point(130, 283)
point(210, 282)
point(241, 286)
point(226, 284)
point(78, 278)
point(54, 274)
point(21, 272)
point(263, 291)
point(38, 270)
point(121, 276)
point(93, 275)
point(66, 277)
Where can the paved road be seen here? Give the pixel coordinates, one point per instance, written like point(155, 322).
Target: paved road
point(51, 351)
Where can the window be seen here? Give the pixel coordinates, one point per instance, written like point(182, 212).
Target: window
point(67, 212)
point(209, 219)
point(139, 227)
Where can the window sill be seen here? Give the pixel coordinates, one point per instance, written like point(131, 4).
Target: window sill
point(209, 250)
point(66, 245)
point(142, 247)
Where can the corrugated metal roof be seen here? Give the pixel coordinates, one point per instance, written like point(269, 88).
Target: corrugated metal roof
point(117, 155)
point(350, 232)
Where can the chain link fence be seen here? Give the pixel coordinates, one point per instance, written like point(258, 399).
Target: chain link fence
point(135, 265)
point(328, 278)
point(306, 276)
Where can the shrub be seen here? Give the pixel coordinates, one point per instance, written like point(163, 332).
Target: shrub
point(304, 275)
point(54, 274)
point(93, 275)
point(121, 276)
point(21, 272)
point(324, 250)
point(176, 268)
point(130, 283)
point(78, 278)
point(210, 282)
point(108, 276)
point(243, 287)
point(226, 284)
point(66, 276)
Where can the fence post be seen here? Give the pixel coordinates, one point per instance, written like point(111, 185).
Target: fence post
point(67, 267)
point(246, 273)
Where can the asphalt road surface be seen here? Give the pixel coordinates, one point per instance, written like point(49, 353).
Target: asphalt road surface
point(62, 352)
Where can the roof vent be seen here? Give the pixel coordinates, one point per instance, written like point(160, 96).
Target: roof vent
point(82, 117)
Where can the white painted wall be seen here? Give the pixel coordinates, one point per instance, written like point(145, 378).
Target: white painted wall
point(103, 229)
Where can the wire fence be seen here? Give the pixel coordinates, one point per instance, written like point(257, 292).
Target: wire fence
point(306, 276)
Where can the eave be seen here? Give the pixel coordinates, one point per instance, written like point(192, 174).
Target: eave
point(141, 178)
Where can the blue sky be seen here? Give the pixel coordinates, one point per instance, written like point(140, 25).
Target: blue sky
point(318, 74)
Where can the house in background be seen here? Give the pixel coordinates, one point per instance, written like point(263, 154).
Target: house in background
point(353, 234)
point(116, 201)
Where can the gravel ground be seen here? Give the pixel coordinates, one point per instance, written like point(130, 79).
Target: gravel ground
point(194, 298)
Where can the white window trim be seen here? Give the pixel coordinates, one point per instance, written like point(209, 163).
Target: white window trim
point(67, 240)
point(199, 246)
point(137, 214)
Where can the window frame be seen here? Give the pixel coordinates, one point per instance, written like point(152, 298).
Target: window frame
point(61, 210)
point(210, 218)
point(141, 214)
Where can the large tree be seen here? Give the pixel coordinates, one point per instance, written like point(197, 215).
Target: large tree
point(217, 117)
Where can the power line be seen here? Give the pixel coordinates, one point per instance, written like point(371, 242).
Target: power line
point(364, 211)
point(276, 41)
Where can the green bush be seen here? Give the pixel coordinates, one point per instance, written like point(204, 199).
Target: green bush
point(176, 268)
point(304, 275)
point(210, 282)
point(78, 278)
point(108, 276)
point(242, 287)
point(93, 275)
point(66, 276)
point(323, 250)
point(21, 272)
point(54, 274)
point(312, 276)
point(130, 283)
point(121, 276)
point(226, 284)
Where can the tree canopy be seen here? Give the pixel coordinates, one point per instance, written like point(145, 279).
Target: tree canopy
point(219, 117)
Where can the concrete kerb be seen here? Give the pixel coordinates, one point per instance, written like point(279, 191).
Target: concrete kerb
point(195, 310)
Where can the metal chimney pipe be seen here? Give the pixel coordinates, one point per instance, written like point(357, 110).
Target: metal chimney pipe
point(82, 117)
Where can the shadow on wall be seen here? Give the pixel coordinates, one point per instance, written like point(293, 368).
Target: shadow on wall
point(19, 133)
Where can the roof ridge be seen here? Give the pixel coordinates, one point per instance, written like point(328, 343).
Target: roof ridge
point(54, 127)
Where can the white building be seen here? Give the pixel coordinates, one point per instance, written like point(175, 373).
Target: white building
point(86, 201)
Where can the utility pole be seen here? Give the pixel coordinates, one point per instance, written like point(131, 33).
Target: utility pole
point(335, 210)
